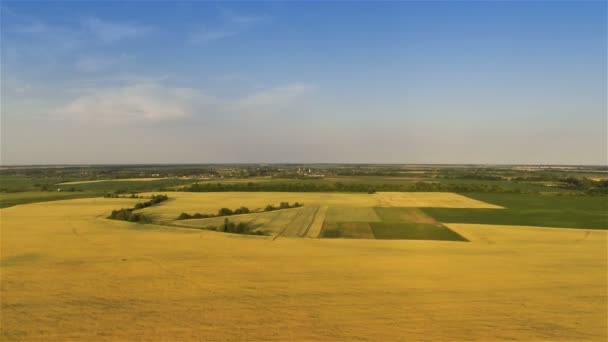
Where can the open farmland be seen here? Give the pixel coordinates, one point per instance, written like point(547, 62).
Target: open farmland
point(335, 215)
point(70, 274)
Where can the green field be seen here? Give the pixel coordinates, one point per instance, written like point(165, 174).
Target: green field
point(347, 230)
point(352, 214)
point(16, 198)
point(413, 231)
point(531, 210)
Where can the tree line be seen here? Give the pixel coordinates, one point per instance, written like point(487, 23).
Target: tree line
point(127, 214)
point(238, 211)
point(344, 187)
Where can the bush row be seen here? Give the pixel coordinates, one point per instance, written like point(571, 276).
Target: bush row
point(127, 214)
point(241, 210)
point(344, 187)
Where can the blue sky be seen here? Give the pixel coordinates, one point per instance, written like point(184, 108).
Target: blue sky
point(393, 82)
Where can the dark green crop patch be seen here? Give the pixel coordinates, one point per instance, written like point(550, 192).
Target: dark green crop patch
point(414, 231)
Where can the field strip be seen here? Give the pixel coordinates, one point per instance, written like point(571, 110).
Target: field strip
point(300, 223)
point(287, 225)
point(111, 180)
point(312, 219)
point(430, 200)
point(317, 224)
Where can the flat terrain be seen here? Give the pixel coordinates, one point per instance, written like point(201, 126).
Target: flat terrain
point(67, 273)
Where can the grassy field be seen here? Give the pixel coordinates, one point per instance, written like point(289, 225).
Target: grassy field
point(531, 210)
point(70, 274)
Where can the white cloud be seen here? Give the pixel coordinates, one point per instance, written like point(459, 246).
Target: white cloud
point(269, 101)
point(110, 32)
point(143, 102)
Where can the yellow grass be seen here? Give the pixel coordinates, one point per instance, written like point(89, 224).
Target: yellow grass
point(69, 274)
point(112, 180)
point(430, 199)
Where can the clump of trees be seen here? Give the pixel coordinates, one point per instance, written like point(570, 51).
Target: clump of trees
point(155, 200)
point(587, 185)
point(239, 228)
point(127, 214)
point(117, 195)
point(282, 205)
point(238, 211)
point(185, 216)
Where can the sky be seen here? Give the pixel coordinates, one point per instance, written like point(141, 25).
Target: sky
point(303, 82)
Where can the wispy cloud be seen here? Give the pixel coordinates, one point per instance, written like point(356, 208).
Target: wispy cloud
point(143, 102)
point(154, 102)
point(110, 31)
point(270, 101)
point(232, 24)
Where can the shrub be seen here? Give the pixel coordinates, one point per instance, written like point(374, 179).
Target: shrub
point(224, 212)
point(241, 210)
point(184, 216)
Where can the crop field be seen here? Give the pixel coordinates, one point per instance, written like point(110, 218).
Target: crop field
point(430, 200)
point(68, 273)
point(385, 215)
point(326, 215)
point(588, 212)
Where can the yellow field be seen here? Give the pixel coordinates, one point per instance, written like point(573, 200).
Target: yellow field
point(430, 199)
point(67, 273)
point(209, 203)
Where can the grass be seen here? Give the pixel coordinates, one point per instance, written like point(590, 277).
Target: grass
point(531, 210)
point(413, 231)
point(73, 275)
